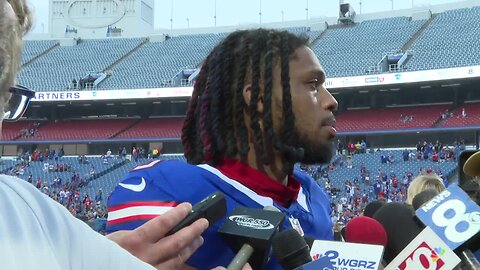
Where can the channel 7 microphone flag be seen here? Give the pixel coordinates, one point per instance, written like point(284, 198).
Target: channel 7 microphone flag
point(452, 215)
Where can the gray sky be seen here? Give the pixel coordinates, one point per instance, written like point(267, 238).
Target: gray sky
point(234, 12)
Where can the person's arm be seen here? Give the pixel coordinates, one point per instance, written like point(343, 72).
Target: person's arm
point(148, 242)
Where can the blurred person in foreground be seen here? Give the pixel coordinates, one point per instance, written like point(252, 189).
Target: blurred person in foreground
point(259, 105)
point(424, 182)
point(38, 233)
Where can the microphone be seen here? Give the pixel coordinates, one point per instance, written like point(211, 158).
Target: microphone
point(425, 251)
point(469, 261)
point(398, 220)
point(423, 197)
point(365, 230)
point(372, 207)
point(291, 249)
point(249, 232)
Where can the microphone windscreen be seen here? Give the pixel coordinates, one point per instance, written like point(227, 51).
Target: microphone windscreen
point(372, 208)
point(398, 220)
point(423, 197)
point(291, 249)
point(365, 230)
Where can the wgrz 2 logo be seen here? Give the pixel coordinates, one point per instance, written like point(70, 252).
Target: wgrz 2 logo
point(423, 258)
point(346, 263)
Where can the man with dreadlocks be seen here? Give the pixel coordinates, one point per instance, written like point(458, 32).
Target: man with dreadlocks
point(258, 107)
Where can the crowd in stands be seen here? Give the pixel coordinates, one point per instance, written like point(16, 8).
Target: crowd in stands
point(349, 199)
point(30, 131)
point(348, 196)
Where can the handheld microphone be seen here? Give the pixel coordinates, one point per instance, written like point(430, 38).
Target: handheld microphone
point(398, 220)
point(423, 197)
point(425, 251)
point(372, 207)
point(365, 230)
point(249, 232)
point(469, 261)
point(291, 249)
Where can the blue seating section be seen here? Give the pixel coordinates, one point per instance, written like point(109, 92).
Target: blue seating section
point(342, 50)
point(451, 40)
point(372, 162)
point(34, 48)
point(154, 63)
point(351, 50)
point(36, 168)
point(56, 70)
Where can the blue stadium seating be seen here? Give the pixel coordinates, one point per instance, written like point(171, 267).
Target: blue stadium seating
point(56, 70)
point(372, 163)
point(34, 48)
point(351, 50)
point(342, 50)
point(451, 40)
point(154, 63)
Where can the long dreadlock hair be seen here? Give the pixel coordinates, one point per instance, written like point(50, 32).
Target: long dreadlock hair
point(214, 126)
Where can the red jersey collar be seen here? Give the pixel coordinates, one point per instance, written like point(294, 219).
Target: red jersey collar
point(260, 183)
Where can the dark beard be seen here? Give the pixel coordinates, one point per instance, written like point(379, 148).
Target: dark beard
point(313, 153)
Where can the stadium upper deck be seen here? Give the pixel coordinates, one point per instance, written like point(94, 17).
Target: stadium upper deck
point(446, 39)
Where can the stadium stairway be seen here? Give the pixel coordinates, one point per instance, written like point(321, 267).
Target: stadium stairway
point(312, 43)
point(420, 31)
point(40, 55)
point(107, 69)
point(106, 171)
point(125, 129)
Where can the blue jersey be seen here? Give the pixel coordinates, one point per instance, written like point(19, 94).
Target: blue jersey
point(152, 189)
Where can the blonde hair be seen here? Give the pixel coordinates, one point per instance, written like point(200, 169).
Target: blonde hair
point(11, 34)
point(423, 182)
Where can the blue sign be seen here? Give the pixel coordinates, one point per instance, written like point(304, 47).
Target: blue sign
point(323, 263)
point(452, 215)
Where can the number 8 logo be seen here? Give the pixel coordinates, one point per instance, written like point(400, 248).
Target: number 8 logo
point(450, 223)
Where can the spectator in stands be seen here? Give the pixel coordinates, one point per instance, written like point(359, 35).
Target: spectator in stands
point(36, 221)
point(406, 155)
point(339, 147)
point(435, 157)
point(363, 145)
point(464, 113)
point(423, 182)
point(108, 154)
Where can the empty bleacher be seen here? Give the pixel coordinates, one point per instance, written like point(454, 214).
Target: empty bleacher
point(155, 128)
point(389, 118)
point(451, 40)
point(34, 48)
point(82, 129)
point(351, 50)
point(155, 63)
point(56, 70)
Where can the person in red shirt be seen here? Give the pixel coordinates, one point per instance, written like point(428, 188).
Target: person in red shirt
point(435, 157)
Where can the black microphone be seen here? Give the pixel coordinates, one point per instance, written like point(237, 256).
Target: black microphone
point(291, 249)
point(372, 207)
point(249, 232)
point(423, 197)
point(401, 226)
